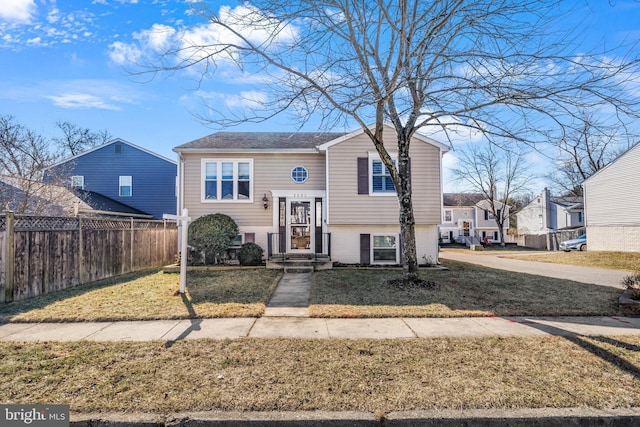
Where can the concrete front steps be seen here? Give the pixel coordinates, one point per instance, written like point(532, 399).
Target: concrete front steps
point(299, 263)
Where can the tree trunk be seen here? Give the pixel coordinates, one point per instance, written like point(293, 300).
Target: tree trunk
point(407, 218)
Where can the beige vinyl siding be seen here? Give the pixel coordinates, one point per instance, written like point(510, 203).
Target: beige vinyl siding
point(612, 196)
point(270, 172)
point(346, 206)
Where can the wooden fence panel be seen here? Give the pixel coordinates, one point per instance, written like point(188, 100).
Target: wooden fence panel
point(51, 254)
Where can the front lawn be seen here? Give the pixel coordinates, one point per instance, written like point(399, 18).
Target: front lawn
point(153, 295)
point(464, 290)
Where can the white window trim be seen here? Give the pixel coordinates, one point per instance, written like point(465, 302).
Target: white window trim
point(444, 216)
point(397, 248)
point(81, 179)
point(375, 156)
point(121, 185)
point(219, 161)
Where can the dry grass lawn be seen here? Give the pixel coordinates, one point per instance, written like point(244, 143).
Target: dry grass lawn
point(628, 261)
point(464, 290)
point(153, 295)
point(333, 375)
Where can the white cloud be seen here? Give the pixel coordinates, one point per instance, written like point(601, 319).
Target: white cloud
point(124, 53)
point(76, 100)
point(17, 10)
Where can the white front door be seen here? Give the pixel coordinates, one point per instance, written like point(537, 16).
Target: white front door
point(300, 225)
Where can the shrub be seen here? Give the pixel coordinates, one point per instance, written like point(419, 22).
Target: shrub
point(250, 254)
point(212, 234)
point(632, 282)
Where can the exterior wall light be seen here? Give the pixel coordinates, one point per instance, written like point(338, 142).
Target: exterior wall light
point(265, 201)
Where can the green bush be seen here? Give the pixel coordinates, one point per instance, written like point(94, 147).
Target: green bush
point(250, 254)
point(212, 234)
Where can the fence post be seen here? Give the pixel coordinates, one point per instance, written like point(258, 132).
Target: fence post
point(10, 263)
point(131, 251)
point(80, 252)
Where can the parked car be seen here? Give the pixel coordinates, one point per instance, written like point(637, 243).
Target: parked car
point(579, 244)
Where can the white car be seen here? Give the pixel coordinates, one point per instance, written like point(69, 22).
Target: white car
point(579, 244)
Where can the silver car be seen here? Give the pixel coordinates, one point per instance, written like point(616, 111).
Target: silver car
point(579, 244)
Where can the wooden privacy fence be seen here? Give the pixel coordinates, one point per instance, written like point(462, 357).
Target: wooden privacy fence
point(46, 254)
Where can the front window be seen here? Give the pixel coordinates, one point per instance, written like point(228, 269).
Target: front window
point(448, 216)
point(381, 181)
point(385, 249)
point(125, 186)
point(227, 180)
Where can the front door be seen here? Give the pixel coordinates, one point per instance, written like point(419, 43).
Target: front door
point(300, 226)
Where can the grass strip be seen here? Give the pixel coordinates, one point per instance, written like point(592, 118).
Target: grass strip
point(627, 261)
point(331, 375)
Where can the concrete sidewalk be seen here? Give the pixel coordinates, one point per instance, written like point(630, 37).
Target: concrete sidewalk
point(315, 328)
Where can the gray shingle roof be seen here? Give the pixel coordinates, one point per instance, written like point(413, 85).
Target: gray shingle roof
point(461, 199)
point(260, 141)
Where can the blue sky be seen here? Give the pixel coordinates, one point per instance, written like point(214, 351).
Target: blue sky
point(63, 61)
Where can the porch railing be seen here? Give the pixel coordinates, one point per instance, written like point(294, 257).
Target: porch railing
point(277, 247)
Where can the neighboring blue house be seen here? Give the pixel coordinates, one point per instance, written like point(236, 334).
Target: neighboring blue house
point(124, 172)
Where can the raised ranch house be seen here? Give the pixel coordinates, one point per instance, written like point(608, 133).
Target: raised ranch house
point(612, 205)
point(317, 195)
point(467, 219)
point(125, 174)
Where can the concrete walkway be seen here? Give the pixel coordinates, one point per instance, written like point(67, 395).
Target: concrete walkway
point(299, 327)
point(591, 275)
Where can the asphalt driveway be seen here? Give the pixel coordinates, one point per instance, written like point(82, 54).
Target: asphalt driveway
point(596, 276)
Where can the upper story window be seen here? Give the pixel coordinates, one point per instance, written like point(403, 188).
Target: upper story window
point(381, 181)
point(374, 178)
point(448, 215)
point(126, 186)
point(77, 181)
point(227, 180)
point(299, 174)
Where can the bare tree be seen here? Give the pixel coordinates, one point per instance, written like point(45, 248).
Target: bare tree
point(498, 67)
point(585, 150)
point(23, 156)
point(76, 139)
point(496, 173)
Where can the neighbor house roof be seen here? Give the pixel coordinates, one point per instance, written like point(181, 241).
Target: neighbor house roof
point(462, 199)
point(113, 141)
point(259, 141)
point(97, 203)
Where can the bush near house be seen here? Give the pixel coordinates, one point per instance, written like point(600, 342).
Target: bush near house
point(250, 254)
point(212, 235)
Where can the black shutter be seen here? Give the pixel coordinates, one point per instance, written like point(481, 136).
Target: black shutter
point(363, 175)
point(365, 249)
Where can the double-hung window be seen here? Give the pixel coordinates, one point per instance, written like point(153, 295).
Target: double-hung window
point(227, 180)
point(125, 186)
point(381, 182)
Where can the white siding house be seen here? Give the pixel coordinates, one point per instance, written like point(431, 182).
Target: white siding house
point(612, 205)
point(467, 218)
point(546, 213)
